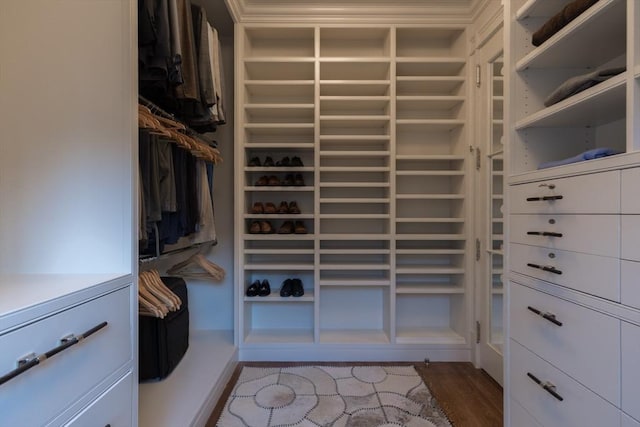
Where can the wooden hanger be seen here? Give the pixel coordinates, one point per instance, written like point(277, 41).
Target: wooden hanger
point(208, 269)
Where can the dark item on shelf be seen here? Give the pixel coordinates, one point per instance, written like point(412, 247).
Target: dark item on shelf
point(270, 208)
point(262, 181)
point(596, 153)
point(287, 288)
point(268, 162)
point(297, 290)
point(266, 227)
point(274, 181)
point(258, 208)
point(288, 180)
point(264, 289)
point(163, 342)
point(558, 21)
point(293, 208)
point(254, 228)
point(254, 162)
point(582, 82)
point(300, 228)
point(298, 180)
point(284, 208)
point(252, 290)
point(285, 162)
point(286, 228)
point(296, 162)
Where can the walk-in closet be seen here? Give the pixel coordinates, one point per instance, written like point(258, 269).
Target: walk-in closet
point(186, 185)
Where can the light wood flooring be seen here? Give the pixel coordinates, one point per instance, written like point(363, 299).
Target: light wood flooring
point(468, 396)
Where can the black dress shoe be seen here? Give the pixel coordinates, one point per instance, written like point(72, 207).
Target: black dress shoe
point(264, 289)
point(297, 290)
point(286, 289)
point(252, 290)
point(268, 162)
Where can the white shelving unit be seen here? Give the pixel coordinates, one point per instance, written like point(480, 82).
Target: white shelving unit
point(385, 202)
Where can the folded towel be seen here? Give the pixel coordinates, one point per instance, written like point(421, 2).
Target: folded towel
point(558, 21)
point(595, 153)
point(577, 84)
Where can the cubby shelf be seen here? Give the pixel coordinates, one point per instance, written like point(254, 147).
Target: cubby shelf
point(275, 297)
point(428, 336)
point(379, 116)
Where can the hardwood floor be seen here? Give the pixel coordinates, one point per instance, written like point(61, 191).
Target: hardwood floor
point(469, 396)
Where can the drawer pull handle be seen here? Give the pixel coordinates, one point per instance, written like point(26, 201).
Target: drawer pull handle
point(544, 233)
point(544, 198)
point(32, 360)
point(545, 268)
point(546, 385)
point(548, 316)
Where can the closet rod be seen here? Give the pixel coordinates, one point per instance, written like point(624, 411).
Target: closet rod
point(165, 255)
point(155, 109)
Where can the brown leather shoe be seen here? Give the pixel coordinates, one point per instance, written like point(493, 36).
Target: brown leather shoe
point(257, 208)
point(264, 180)
point(266, 227)
point(283, 208)
point(274, 181)
point(300, 228)
point(293, 208)
point(255, 228)
point(270, 208)
point(286, 228)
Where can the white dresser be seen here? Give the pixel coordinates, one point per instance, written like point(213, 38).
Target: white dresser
point(573, 229)
point(68, 195)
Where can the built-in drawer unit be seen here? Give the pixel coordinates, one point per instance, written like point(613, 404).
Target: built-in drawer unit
point(554, 398)
point(630, 191)
point(595, 275)
point(631, 369)
point(37, 395)
point(630, 283)
point(597, 193)
point(592, 234)
point(113, 408)
point(581, 342)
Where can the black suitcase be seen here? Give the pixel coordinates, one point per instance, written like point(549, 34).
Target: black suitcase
point(163, 342)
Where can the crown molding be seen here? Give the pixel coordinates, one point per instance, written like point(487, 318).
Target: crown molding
point(354, 11)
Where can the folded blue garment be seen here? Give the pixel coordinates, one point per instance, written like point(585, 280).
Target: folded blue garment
point(596, 153)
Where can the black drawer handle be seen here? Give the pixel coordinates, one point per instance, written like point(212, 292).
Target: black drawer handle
point(26, 364)
point(545, 268)
point(544, 233)
point(548, 316)
point(544, 198)
point(550, 388)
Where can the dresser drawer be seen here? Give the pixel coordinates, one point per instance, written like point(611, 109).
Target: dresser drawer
point(631, 369)
point(565, 337)
point(36, 396)
point(630, 283)
point(631, 237)
point(520, 417)
point(579, 407)
point(593, 234)
point(631, 191)
point(113, 408)
point(595, 193)
point(595, 275)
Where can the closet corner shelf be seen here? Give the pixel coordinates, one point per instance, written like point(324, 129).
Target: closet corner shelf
point(345, 200)
point(279, 216)
point(433, 124)
point(429, 157)
point(344, 153)
point(430, 196)
point(376, 283)
point(279, 59)
point(428, 270)
point(597, 105)
point(355, 185)
point(583, 38)
point(430, 173)
point(278, 169)
point(354, 59)
point(248, 83)
point(279, 146)
point(413, 237)
point(354, 216)
point(355, 138)
point(426, 220)
point(278, 236)
point(365, 267)
point(279, 188)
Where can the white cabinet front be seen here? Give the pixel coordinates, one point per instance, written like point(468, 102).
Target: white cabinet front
point(631, 369)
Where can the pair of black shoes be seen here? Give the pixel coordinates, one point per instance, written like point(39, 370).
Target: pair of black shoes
point(257, 288)
point(292, 288)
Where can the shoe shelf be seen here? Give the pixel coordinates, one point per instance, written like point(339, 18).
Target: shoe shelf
point(377, 115)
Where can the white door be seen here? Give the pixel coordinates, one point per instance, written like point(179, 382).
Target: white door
point(489, 203)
